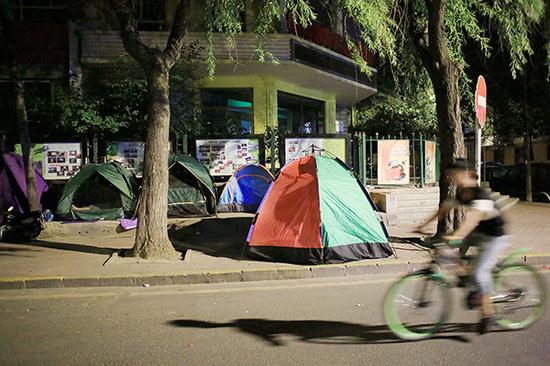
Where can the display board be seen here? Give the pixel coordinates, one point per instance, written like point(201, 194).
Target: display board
point(296, 147)
point(393, 162)
point(61, 160)
point(128, 153)
point(57, 160)
point(429, 162)
point(224, 156)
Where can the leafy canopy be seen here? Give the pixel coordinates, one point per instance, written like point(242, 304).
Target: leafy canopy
point(386, 26)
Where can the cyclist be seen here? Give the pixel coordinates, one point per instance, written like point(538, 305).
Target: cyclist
point(483, 226)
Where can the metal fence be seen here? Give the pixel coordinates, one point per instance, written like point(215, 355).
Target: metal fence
point(366, 153)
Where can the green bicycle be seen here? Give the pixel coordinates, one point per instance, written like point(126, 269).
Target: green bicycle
point(417, 305)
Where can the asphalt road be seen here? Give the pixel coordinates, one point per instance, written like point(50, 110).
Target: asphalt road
point(306, 322)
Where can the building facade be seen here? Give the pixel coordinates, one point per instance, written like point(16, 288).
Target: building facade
point(307, 90)
point(514, 152)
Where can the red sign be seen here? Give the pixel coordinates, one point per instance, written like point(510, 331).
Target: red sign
point(481, 101)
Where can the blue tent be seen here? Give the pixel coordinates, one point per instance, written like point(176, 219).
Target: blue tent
point(245, 190)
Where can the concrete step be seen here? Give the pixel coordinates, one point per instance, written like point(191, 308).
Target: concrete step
point(494, 195)
point(501, 200)
point(509, 203)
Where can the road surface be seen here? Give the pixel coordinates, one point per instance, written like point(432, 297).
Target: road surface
point(306, 322)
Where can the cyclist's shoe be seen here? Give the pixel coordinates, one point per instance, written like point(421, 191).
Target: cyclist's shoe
point(485, 324)
point(472, 300)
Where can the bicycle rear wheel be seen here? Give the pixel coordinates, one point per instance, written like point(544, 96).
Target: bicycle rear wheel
point(520, 296)
point(417, 305)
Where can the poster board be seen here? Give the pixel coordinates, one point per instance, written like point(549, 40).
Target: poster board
point(57, 160)
point(429, 162)
point(296, 147)
point(61, 160)
point(128, 153)
point(393, 162)
point(223, 156)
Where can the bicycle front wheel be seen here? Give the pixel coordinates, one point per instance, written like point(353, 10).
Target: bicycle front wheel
point(519, 297)
point(417, 305)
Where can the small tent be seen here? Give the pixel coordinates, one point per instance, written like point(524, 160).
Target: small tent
point(13, 186)
point(191, 189)
point(317, 212)
point(99, 191)
point(245, 190)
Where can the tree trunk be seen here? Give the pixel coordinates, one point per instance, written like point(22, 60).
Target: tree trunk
point(21, 110)
point(152, 234)
point(451, 139)
point(444, 74)
point(528, 172)
point(527, 145)
point(95, 146)
point(25, 138)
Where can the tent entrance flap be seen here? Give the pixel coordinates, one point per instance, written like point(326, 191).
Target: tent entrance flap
point(99, 191)
point(188, 194)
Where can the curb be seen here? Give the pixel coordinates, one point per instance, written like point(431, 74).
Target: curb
point(248, 275)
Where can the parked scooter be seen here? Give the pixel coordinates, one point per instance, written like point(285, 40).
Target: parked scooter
point(20, 228)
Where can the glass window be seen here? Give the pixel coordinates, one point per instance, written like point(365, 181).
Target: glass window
point(300, 115)
point(40, 10)
point(342, 119)
point(150, 15)
point(227, 111)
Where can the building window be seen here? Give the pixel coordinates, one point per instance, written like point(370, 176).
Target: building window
point(300, 115)
point(43, 11)
point(227, 112)
point(342, 119)
point(150, 15)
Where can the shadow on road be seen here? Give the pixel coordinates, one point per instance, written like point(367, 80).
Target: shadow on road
point(218, 237)
point(322, 331)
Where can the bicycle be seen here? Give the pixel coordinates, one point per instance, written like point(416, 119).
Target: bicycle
point(418, 304)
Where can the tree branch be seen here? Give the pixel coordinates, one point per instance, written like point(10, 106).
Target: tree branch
point(420, 40)
point(172, 52)
point(130, 34)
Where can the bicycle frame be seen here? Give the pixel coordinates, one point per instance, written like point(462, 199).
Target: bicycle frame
point(514, 256)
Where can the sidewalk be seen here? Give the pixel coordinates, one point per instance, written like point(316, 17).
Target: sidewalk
point(85, 254)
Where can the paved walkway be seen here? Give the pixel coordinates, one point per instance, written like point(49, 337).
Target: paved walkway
point(212, 249)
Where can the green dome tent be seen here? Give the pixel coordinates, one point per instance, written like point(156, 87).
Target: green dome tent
point(191, 189)
point(99, 191)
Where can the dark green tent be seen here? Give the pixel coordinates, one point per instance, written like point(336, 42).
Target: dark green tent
point(99, 191)
point(191, 190)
